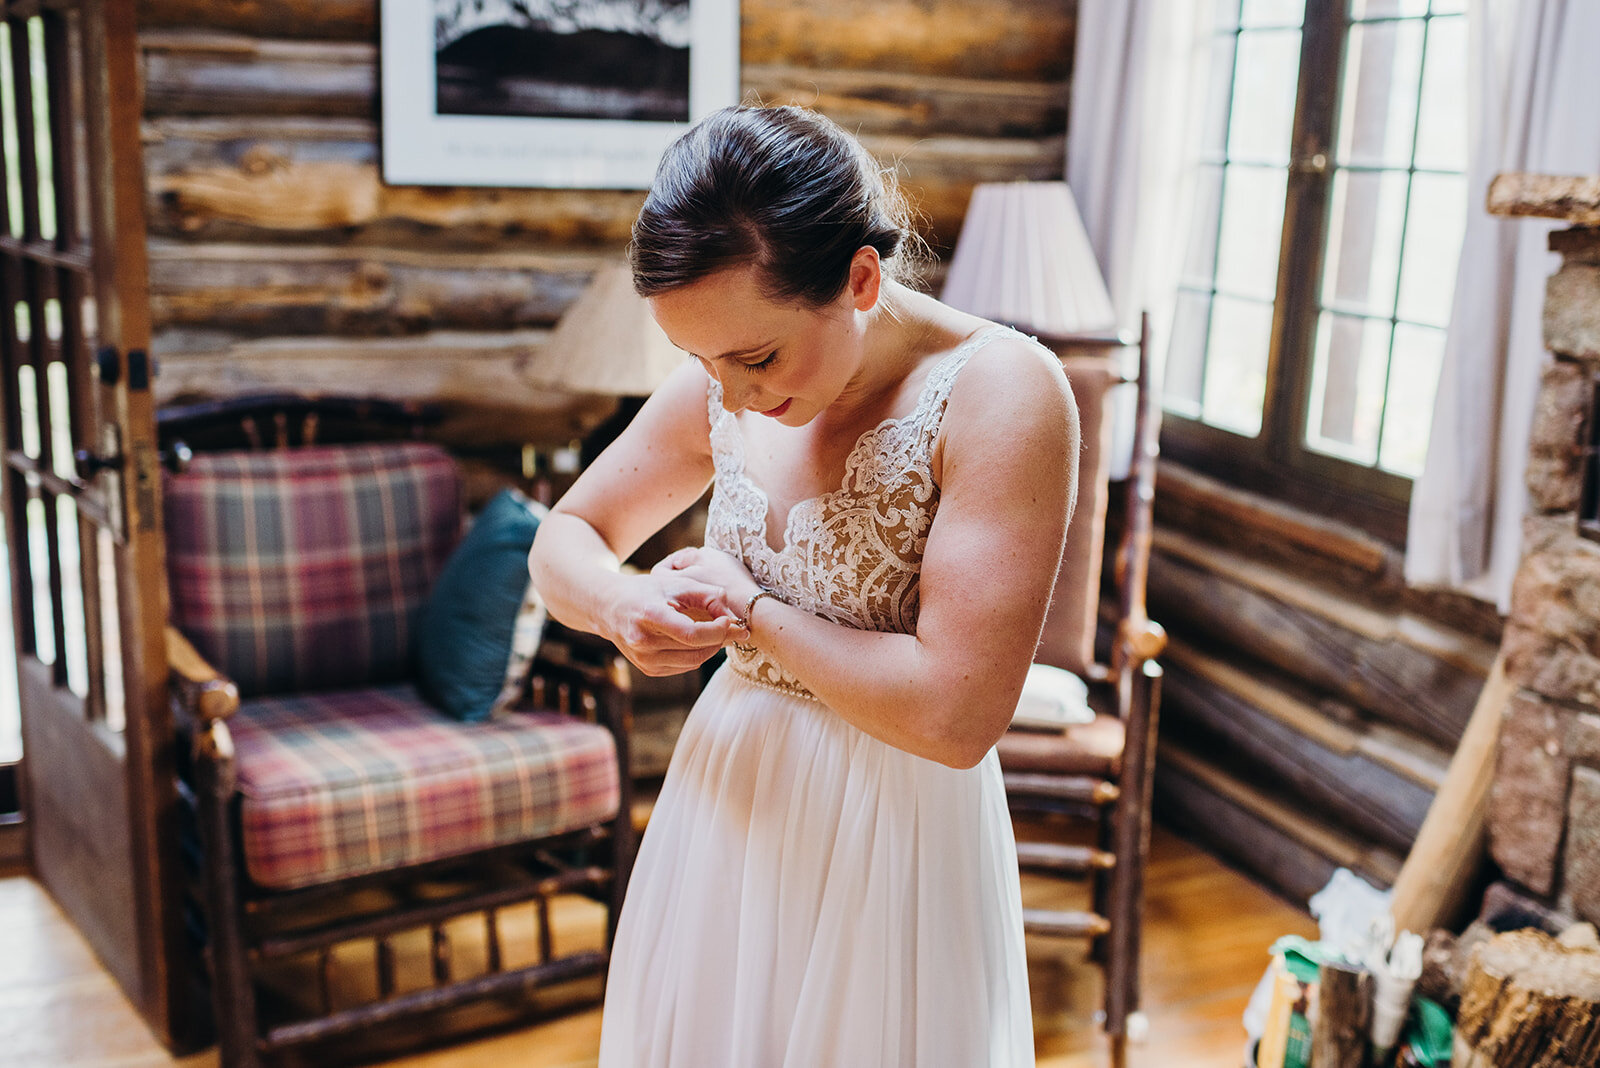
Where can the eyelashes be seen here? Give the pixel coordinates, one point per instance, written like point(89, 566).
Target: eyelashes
point(761, 364)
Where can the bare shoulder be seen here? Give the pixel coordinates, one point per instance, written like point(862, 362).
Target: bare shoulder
point(680, 408)
point(1014, 384)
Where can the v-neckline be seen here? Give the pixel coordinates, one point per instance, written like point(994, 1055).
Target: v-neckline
point(971, 343)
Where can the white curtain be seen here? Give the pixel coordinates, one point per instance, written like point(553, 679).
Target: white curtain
point(1138, 88)
point(1534, 95)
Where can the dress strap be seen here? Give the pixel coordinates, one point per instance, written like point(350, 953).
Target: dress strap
point(935, 398)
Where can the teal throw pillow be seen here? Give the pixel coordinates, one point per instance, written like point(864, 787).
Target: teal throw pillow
point(481, 624)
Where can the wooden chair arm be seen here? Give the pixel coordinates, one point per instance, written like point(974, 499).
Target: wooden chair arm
point(201, 690)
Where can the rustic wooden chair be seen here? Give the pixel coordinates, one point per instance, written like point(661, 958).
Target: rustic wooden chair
point(1102, 770)
point(332, 813)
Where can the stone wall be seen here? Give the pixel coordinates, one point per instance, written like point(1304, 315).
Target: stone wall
point(1544, 822)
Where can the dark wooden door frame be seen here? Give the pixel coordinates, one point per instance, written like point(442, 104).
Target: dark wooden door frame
point(95, 247)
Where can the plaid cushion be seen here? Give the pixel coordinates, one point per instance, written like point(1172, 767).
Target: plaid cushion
point(305, 569)
point(344, 783)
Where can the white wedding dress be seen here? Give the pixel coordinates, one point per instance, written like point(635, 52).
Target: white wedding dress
point(807, 896)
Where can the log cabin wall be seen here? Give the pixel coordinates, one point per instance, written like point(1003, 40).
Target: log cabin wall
point(1312, 700)
point(279, 259)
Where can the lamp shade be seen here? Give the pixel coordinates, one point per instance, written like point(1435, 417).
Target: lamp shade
point(1024, 259)
point(608, 342)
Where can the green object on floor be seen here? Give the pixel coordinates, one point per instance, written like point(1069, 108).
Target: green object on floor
point(1429, 1033)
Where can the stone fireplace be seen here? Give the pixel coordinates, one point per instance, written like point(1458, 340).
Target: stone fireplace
point(1544, 818)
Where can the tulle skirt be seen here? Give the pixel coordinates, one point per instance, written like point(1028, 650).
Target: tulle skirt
point(807, 896)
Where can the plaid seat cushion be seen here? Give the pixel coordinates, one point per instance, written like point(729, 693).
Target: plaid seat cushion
point(306, 569)
point(348, 782)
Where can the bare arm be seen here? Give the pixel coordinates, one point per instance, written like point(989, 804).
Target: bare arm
point(659, 466)
point(1008, 480)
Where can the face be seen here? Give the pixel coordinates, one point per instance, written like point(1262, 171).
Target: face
point(787, 361)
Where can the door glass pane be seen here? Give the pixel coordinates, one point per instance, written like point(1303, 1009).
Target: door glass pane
point(8, 119)
point(10, 714)
point(1236, 364)
point(40, 73)
point(1414, 372)
point(76, 635)
point(1378, 114)
point(44, 635)
point(28, 405)
point(111, 632)
point(1364, 233)
point(60, 419)
point(1266, 73)
point(1252, 230)
point(1348, 382)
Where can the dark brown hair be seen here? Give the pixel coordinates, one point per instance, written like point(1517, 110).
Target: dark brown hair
point(783, 188)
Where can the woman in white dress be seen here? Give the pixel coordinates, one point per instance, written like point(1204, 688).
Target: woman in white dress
point(829, 878)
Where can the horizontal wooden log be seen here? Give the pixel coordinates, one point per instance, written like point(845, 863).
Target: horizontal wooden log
point(263, 290)
point(1398, 669)
point(318, 180)
point(194, 74)
point(489, 385)
point(1284, 848)
point(339, 20)
point(1349, 787)
point(1025, 39)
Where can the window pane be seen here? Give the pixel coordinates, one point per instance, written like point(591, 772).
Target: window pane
point(116, 711)
point(1434, 226)
point(1219, 96)
point(1236, 364)
point(1252, 230)
point(1180, 386)
point(1347, 390)
point(1200, 261)
point(1273, 12)
point(1413, 380)
point(44, 153)
point(1265, 76)
point(1449, 7)
point(10, 709)
point(1362, 268)
point(1226, 13)
point(1378, 114)
point(1383, 9)
point(1442, 129)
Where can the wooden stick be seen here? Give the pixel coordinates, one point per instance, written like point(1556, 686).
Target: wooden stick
point(1450, 846)
point(1339, 1037)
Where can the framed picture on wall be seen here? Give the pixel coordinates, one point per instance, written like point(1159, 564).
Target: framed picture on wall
point(579, 94)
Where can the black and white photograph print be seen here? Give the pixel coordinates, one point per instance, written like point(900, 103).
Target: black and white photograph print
point(580, 59)
point(576, 94)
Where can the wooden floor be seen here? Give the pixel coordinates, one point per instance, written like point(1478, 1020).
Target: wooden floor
point(1207, 932)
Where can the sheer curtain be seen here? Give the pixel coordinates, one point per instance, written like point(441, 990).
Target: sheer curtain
point(1138, 90)
point(1534, 89)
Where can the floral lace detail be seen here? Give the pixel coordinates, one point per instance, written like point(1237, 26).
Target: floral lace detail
point(852, 555)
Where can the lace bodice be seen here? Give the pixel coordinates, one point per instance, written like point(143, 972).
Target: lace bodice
point(852, 555)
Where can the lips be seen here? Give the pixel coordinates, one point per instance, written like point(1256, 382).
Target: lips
point(779, 410)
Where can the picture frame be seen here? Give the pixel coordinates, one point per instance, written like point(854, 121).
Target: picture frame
point(574, 94)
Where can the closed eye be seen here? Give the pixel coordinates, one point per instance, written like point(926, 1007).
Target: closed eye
point(760, 364)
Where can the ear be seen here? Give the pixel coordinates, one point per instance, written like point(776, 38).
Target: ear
point(866, 278)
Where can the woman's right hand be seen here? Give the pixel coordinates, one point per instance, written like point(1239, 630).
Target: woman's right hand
point(666, 624)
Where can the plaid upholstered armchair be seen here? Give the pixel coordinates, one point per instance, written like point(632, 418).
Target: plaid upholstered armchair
point(330, 805)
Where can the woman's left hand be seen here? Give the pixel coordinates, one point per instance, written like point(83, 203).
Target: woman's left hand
point(714, 568)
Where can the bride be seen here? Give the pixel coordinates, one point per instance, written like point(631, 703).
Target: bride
point(829, 876)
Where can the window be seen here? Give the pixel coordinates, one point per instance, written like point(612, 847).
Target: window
point(1318, 275)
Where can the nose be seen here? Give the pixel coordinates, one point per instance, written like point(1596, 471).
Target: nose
point(735, 397)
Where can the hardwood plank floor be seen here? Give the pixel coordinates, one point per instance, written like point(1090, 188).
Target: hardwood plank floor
point(1207, 932)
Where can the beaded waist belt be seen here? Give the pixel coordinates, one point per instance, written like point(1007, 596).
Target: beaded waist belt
point(759, 670)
